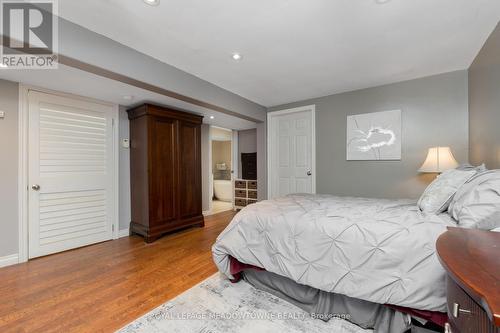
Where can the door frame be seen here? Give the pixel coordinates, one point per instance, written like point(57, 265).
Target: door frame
point(210, 162)
point(271, 143)
point(23, 160)
point(235, 163)
point(210, 175)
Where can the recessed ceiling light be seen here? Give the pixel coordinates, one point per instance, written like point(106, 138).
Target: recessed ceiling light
point(128, 97)
point(212, 117)
point(152, 2)
point(381, 2)
point(2, 65)
point(236, 56)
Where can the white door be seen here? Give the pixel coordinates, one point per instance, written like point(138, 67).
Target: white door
point(71, 173)
point(291, 151)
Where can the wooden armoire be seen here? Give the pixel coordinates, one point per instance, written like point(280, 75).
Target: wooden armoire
point(165, 170)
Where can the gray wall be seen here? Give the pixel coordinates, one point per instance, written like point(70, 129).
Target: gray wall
point(124, 172)
point(80, 43)
point(262, 161)
point(9, 101)
point(255, 140)
point(484, 103)
point(247, 143)
point(435, 113)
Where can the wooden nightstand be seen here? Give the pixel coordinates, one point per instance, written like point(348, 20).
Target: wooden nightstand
point(472, 261)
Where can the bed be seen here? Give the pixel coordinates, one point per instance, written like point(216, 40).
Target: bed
point(381, 252)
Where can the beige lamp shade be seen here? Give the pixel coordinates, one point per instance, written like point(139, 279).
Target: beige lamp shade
point(439, 159)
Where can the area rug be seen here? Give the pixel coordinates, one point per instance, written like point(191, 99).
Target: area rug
point(218, 306)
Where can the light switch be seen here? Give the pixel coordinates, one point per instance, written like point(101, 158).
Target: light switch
point(125, 143)
point(2, 114)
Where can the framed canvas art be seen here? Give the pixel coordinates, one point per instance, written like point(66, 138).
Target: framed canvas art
point(374, 136)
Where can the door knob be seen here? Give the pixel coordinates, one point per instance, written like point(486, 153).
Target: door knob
point(309, 173)
point(35, 187)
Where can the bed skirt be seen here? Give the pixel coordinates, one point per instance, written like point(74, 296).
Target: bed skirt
point(325, 305)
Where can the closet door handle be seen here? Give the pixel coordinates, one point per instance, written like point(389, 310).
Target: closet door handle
point(35, 187)
point(309, 173)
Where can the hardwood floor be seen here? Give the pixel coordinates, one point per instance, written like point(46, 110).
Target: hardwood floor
point(221, 206)
point(102, 287)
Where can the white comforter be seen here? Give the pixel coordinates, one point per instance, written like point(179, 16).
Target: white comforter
point(376, 250)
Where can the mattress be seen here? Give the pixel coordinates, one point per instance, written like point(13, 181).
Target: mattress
point(382, 251)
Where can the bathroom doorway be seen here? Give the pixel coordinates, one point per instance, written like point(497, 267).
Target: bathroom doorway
point(222, 169)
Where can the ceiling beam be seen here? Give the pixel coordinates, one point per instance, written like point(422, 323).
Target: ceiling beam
point(89, 68)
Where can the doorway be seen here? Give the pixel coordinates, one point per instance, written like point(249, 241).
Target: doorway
point(291, 151)
point(222, 147)
point(70, 169)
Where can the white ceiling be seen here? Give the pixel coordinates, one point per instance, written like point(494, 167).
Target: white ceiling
point(297, 49)
point(77, 82)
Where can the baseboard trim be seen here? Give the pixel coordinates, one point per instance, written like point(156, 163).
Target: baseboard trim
point(123, 233)
point(207, 213)
point(9, 260)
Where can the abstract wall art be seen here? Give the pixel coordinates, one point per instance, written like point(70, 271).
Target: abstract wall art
point(374, 136)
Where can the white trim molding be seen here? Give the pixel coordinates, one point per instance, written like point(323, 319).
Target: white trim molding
point(270, 152)
point(9, 260)
point(210, 172)
point(23, 174)
point(124, 233)
point(116, 168)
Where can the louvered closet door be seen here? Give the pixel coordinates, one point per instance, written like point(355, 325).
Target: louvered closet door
point(71, 161)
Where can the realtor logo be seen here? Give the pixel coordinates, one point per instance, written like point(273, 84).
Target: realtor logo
point(29, 34)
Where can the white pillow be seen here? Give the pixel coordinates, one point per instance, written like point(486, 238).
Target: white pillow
point(438, 194)
point(477, 203)
point(468, 167)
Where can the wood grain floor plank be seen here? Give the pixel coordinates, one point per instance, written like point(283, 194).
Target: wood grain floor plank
point(102, 287)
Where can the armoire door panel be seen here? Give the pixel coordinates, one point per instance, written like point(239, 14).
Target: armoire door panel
point(189, 170)
point(162, 179)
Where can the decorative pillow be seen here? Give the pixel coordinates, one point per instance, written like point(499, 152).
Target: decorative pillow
point(477, 203)
point(438, 194)
point(468, 167)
